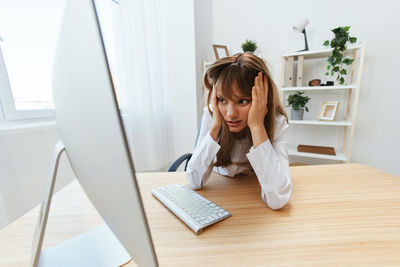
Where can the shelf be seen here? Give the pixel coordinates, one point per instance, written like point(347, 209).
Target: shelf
point(316, 122)
point(317, 53)
point(319, 88)
point(293, 67)
point(339, 155)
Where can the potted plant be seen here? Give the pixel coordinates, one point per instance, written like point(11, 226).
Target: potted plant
point(298, 103)
point(337, 60)
point(249, 46)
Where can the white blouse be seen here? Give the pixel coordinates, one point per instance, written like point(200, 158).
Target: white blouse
point(269, 161)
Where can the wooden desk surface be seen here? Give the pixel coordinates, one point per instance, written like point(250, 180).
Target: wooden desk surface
point(339, 215)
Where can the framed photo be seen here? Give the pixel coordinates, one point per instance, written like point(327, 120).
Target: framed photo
point(328, 111)
point(220, 51)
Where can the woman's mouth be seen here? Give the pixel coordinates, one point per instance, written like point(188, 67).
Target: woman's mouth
point(233, 123)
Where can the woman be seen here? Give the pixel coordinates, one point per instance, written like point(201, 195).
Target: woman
point(245, 129)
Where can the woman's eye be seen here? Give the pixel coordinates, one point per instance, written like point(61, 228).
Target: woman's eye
point(244, 101)
point(221, 100)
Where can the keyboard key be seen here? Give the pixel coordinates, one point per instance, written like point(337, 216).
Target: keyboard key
point(211, 218)
point(215, 216)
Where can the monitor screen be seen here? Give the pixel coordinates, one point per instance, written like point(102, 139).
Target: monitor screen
point(90, 126)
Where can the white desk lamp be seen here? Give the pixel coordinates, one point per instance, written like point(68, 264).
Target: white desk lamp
point(301, 27)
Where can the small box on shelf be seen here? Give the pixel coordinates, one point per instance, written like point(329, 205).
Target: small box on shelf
point(326, 150)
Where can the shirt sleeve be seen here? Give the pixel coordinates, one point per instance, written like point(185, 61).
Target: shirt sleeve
point(199, 167)
point(271, 165)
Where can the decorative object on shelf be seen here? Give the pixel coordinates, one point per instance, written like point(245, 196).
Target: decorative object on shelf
point(337, 57)
point(327, 150)
point(298, 103)
point(249, 46)
point(328, 111)
point(314, 82)
point(328, 83)
point(301, 27)
point(220, 51)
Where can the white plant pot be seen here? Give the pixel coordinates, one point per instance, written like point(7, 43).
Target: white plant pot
point(297, 114)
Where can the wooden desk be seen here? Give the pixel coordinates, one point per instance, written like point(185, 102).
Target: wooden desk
point(339, 215)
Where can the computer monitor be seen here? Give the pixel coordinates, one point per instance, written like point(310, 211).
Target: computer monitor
point(91, 129)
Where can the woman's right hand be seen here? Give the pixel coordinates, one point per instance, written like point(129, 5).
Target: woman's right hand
point(217, 123)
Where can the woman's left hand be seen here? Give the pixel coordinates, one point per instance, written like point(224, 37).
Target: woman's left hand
point(258, 109)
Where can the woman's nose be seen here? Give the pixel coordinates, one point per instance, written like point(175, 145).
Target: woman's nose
point(232, 112)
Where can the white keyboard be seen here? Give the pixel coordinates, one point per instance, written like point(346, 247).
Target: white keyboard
point(193, 209)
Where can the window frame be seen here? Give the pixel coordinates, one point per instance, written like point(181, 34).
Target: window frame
point(7, 101)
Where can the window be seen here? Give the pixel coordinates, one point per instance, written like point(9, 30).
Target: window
point(28, 38)
point(29, 31)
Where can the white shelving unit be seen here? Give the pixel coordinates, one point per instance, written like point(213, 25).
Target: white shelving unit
point(310, 54)
point(319, 88)
point(316, 122)
point(289, 83)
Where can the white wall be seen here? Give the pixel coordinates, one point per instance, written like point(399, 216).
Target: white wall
point(376, 22)
point(26, 148)
point(204, 37)
point(181, 61)
point(25, 156)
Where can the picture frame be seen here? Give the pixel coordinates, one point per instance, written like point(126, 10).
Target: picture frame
point(329, 110)
point(220, 51)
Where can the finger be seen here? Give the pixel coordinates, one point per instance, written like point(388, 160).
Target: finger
point(258, 82)
point(213, 94)
point(254, 94)
point(214, 98)
point(216, 108)
point(261, 85)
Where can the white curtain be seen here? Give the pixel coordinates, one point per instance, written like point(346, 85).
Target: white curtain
point(142, 75)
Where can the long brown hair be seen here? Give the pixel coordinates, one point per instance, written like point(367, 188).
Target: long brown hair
point(239, 71)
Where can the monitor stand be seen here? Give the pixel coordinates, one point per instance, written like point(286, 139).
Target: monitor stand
point(97, 247)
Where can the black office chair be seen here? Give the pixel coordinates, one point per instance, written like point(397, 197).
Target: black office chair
point(179, 161)
point(185, 157)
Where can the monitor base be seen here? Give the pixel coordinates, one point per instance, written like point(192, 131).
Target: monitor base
point(97, 247)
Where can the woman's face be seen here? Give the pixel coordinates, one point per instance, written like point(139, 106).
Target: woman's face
point(234, 112)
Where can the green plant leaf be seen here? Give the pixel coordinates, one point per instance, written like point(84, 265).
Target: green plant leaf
point(341, 40)
point(326, 43)
point(306, 108)
point(249, 45)
point(297, 100)
point(341, 80)
point(348, 61)
point(326, 73)
point(338, 43)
